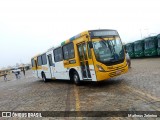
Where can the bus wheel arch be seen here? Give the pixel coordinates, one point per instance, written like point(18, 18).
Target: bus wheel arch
point(74, 76)
point(43, 76)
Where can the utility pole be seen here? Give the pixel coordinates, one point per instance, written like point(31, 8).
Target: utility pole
point(147, 32)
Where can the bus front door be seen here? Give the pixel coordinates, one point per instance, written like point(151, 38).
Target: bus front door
point(84, 63)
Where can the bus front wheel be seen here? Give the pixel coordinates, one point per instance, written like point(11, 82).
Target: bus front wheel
point(76, 78)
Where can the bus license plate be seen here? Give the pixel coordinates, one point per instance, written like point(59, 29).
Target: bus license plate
point(118, 72)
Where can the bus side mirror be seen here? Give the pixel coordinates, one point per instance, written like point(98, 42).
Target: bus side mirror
point(90, 44)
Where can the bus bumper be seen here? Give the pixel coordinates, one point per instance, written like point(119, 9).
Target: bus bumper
point(116, 71)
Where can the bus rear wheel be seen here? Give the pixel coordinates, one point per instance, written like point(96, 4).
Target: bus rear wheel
point(76, 78)
point(44, 77)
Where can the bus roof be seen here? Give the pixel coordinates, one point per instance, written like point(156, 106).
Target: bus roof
point(74, 37)
point(148, 38)
point(83, 33)
point(35, 56)
point(158, 35)
point(138, 41)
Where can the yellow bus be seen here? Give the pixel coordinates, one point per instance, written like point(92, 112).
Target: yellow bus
point(93, 55)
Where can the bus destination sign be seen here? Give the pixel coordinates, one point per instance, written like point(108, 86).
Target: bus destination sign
point(104, 33)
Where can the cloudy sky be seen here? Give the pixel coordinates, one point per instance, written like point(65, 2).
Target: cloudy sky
point(29, 27)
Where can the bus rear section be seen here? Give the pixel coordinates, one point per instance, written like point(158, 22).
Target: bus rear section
point(45, 66)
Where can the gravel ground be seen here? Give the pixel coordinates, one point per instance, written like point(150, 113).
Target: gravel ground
point(138, 90)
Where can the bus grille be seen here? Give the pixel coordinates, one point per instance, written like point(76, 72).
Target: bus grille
point(117, 68)
point(114, 73)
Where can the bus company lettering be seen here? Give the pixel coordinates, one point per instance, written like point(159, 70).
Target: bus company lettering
point(14, 114)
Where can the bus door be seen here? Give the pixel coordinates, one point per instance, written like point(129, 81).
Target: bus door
point(50, 65)
point(84, 63)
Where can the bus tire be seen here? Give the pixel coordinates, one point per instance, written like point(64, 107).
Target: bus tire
point(76, 78)
point(44, 77)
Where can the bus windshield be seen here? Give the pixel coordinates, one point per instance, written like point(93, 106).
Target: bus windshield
point(108, 50)
point(149, 44)
point(137, 47)
point(129, 48)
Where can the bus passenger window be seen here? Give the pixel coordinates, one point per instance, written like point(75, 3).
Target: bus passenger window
point(44, 59)
point(33, 63)
point(39, 61)
point(58, 54)
point(68, 51)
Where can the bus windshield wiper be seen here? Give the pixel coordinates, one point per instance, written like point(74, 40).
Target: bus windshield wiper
point(111, 48)
point(106, 41)
point(109, 45)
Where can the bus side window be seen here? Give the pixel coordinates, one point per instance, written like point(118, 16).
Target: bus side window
point(50, 60)
point(33, 64)
point(44, 59)
point(39, 60)
point(68, 51)
point(58, 54)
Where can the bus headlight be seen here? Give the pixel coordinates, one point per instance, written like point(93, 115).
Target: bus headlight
point(100, 68)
